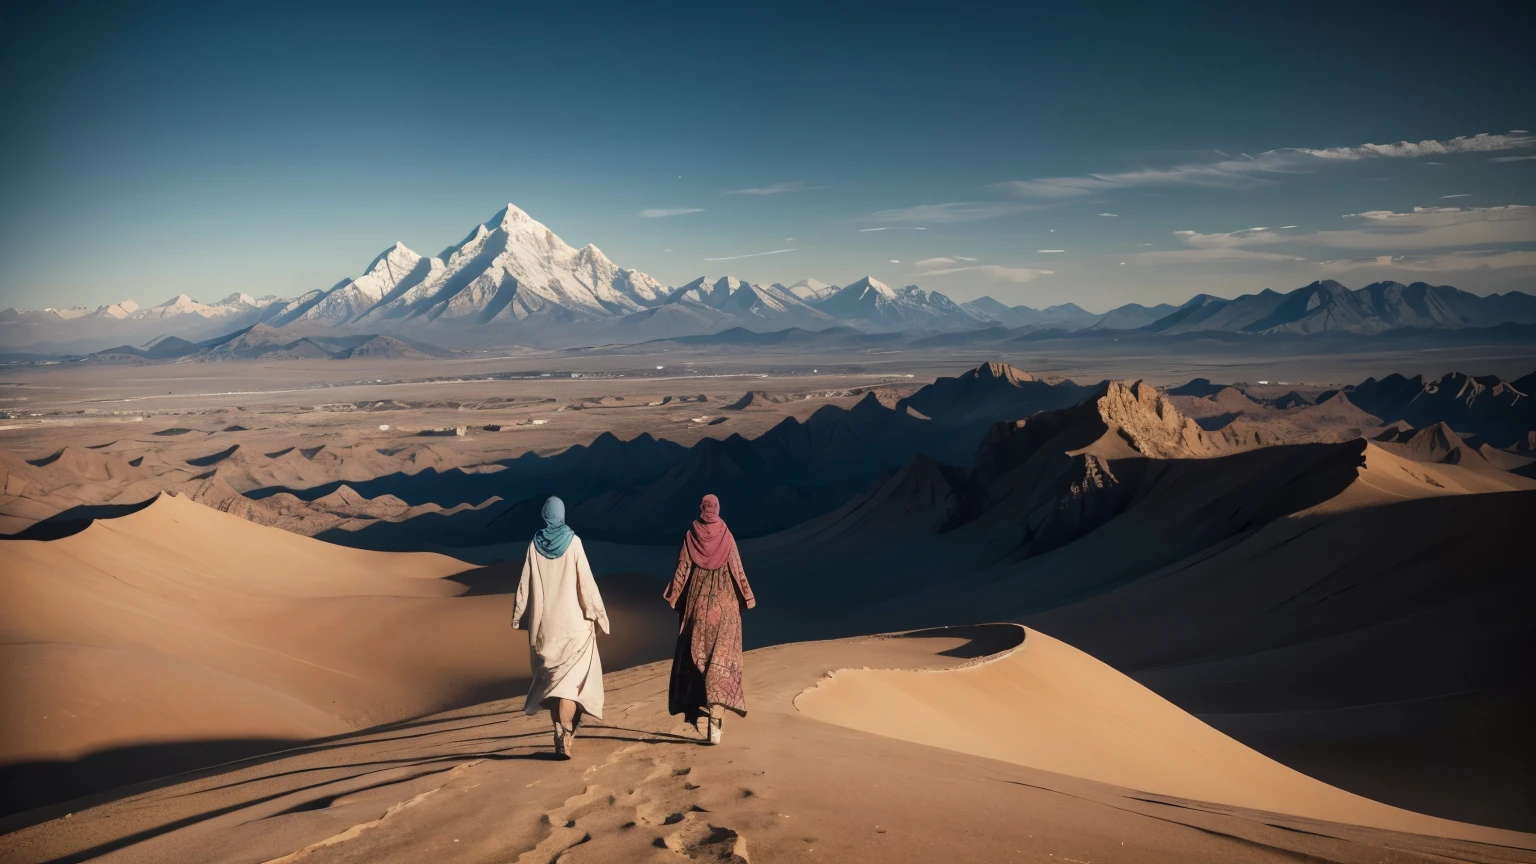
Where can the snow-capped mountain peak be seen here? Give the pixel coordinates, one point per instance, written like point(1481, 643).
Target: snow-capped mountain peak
point(513, 219)
point(869, 285)
point(181, 304)
point(116, 311)
point(233, 306)
point(510, 267)
point(750, 302)
point(873, 301)
point(809, 290)
point(707, 290)
point(396, 266)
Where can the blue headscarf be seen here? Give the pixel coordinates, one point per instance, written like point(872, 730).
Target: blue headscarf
point(556, 536)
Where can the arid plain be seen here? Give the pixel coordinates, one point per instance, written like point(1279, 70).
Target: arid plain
point(258, 611)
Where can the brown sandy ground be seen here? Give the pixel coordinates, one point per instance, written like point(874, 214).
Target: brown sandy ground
point(306, 641)
point(477, 785)
point(243, 429)
point(179, 636)
point(67, 467)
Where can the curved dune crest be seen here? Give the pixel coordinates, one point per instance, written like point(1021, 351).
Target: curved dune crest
point(177, 621)
point(1049, 706)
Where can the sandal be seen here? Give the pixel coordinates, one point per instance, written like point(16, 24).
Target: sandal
point(564, 738)
point(716, 729)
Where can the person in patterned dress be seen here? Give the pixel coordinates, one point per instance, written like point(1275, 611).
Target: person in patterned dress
point(709, 589)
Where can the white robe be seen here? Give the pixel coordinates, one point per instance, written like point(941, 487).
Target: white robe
point(560, 599)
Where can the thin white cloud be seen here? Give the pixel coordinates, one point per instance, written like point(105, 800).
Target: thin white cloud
point(1480, 143)
point(954, 211)
point(897, 227)
point(894, 261)
point(1205, 248)
point(1426, 238)
point(1256, 170)
point(1207, 255)
point(663, 213)
point(1450, 261)
point(1050, 251)
point(1116, 215)
point(943, 261)
point(1017, 275)
point(947, 264)
point(1283, 227)
point(1231, 239)
point(994, 272)
point(775, 189)
point(1460, 195)
point(1228, 155)
point(1434, 228)
point(1512, 158)
point(750, 255)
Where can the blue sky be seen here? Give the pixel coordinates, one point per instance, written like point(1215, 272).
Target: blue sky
point(274, 149)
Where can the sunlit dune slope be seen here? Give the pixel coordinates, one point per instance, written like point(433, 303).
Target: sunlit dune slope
point(476, 786)
point(1048, 705)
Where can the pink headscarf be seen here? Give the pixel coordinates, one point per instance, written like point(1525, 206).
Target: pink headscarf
point(709, 540)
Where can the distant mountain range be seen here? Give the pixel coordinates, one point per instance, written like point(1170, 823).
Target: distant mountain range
point(513, 280)
point(264, 342)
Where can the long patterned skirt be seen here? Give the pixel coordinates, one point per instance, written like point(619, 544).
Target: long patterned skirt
point(706, 668)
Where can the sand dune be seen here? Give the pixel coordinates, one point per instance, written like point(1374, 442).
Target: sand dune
point(1378, 642)
point(179, 624)
point(474, 785)
point(1388, 476)
point(1285, 594)
point(1351, 609)
point(1049, 706)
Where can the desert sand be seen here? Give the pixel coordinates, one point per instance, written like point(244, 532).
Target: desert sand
point(1260, 625)
point(1047, 705)
point(476, 785)
point(179, 636)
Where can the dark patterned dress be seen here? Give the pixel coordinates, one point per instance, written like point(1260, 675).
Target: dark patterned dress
point(706, 668)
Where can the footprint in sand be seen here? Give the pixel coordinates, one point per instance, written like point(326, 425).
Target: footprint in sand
point(637, 803)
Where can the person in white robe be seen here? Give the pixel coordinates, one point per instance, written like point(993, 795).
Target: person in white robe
point(563, 610)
